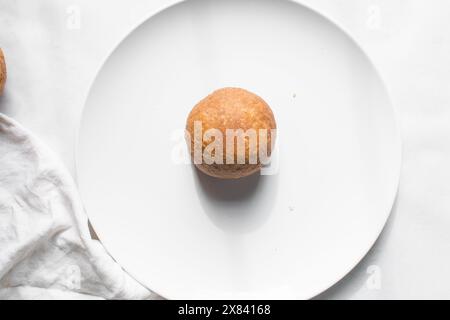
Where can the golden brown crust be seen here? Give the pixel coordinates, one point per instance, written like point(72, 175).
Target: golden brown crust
point(2, 71)
point(231, 108)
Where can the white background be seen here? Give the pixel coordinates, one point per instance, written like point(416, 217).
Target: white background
point(54, 48)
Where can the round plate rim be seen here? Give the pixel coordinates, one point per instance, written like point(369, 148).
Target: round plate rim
point(397, 139)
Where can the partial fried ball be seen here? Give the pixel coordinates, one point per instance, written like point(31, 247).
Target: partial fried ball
point(2, 71)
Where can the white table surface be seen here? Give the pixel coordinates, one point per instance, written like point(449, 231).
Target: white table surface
point(60, 44)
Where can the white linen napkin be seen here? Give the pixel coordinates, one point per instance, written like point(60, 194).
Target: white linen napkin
point(46, 248)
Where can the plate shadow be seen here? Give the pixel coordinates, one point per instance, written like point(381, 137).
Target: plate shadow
point(236, 206)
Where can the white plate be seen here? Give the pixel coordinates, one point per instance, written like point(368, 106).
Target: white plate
point(291, 234)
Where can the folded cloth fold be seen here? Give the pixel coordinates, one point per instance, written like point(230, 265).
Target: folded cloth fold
point(46, 251)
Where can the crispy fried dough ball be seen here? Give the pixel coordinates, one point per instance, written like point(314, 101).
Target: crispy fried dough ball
point(2, 71)
point(231, 108)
